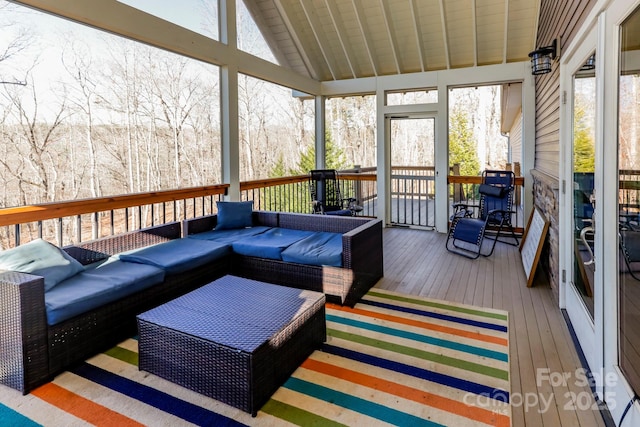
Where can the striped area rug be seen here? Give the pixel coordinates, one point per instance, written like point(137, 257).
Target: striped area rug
point(391, 360)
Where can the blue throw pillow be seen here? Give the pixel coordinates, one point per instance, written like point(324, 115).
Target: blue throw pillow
point(234, 215)
point(41, 258)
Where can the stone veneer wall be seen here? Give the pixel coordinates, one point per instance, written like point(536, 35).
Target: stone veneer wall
point(546, 198)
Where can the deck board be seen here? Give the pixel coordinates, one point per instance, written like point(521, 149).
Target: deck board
point(417, 263)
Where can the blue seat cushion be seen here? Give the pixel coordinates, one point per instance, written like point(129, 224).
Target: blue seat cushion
point(269, 244)
point(321, 248)
point(229, 235)
point(43, 259)
point(98, 286)
point(179, 255)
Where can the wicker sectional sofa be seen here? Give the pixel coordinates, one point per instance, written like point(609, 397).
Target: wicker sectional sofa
point(38, 344)
point(362, 262)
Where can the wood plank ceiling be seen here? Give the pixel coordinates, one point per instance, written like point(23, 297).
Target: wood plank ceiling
point(347, 39)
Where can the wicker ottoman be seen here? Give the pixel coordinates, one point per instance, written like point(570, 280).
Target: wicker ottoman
point(235, 340)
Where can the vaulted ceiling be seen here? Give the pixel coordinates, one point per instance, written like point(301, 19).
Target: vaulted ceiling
point(346, 39)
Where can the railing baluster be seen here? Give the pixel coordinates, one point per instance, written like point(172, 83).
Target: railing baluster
point(164, 212)
point(95, 227)
point(79, 228)
point(112, 222)
point(60, 243)
point(17, 235)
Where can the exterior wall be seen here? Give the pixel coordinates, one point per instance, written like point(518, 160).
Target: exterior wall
point(515, 140)
point(563, 20)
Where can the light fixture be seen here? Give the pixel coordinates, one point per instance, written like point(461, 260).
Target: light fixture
point(541, 58)
point(590, 64)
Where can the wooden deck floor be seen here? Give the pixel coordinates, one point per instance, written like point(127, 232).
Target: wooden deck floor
point(417, 263)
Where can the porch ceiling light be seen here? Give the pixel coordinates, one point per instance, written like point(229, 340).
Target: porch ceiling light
point(542, 58)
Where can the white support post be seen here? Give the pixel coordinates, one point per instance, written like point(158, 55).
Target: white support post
point(383, 159)
point(321, 143)
point(230, 133)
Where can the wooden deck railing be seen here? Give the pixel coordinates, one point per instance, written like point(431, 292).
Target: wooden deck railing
point(79, 220)
point(291, 194)
point(71, 222)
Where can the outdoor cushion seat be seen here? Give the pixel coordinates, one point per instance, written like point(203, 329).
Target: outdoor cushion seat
point(321, 248)
point(98, 286)
point(229, 235)
point(269, 244)
point(178, 255)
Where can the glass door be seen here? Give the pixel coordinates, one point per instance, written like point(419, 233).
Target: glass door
point(412, 141)
point(581, 289)
point(629, 201)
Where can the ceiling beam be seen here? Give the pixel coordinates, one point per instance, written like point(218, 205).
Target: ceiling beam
point(334, 13)
point(312, 68)
point(386, 14)
point(316, 29)
point(118, 18)
point(364, 30)
point(506, 31)
point(416, 29)
point(445, 38)
point(474, 31)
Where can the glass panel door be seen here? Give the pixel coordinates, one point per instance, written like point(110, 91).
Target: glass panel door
point(629, 200)
point(413, 171)
point(583, 164)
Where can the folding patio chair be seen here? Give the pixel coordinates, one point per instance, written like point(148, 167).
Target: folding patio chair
point(470, 223)
point(326, 196)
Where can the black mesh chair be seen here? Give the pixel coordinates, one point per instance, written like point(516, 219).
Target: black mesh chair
point(326, 196)
point(469, 223)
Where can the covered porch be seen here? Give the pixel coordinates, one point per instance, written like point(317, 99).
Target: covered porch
point(547, 371)
point(547, 374)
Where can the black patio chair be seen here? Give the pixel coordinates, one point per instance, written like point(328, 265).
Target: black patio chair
point(470, 223)
point(326, 196)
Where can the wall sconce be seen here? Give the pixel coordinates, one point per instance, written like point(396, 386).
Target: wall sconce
point(590, 64)
point(541, 58)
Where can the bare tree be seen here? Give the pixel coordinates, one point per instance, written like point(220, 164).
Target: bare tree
point(36, 164)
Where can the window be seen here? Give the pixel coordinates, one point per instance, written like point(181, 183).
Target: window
point(424, 96)
point(629, 200)
point(110, 115)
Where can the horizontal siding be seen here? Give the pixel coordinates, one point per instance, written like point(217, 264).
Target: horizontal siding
point(557, 19)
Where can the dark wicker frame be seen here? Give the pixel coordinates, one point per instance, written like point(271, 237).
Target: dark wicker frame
point(362, 257)
point(33, 352)
point(239, 378)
